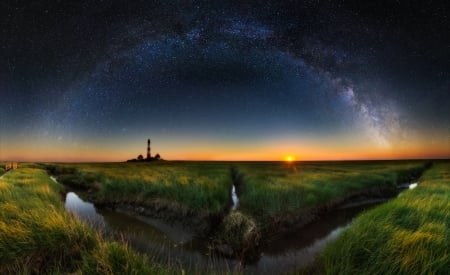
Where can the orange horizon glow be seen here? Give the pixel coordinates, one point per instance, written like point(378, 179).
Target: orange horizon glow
point(198, 149)
point(101, 155)
point(289, 158)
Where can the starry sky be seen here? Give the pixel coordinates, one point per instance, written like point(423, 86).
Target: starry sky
point(224, 80)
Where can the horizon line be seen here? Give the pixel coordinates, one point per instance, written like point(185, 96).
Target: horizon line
point(206, 160)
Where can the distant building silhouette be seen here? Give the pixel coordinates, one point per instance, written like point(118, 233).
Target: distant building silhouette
point(149, 155)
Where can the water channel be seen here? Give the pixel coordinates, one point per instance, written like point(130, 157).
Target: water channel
point(173, 244)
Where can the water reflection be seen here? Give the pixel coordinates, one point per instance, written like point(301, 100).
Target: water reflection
point(292, 260)
point(299, 248)
point(162, 241)
point(84, 210)
point(234, 197)
point(171, 242)
point(413, 185)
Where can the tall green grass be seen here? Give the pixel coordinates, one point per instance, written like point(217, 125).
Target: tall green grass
point(408, 235)
point(198, 186)
point(38, 236)
point(277, 189)
point(269, 189)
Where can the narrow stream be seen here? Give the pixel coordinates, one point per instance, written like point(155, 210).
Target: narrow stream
point(165, 242)
point(234, 198)
point(172, 244)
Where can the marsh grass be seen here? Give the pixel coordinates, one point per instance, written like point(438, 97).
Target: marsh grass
point(266, 189)
point(408, 235)
point(38, 236)
point(200, 187)
point(277, 189)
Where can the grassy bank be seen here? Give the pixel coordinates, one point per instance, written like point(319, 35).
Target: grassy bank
point(268, 187)
point(408, 235)
point(38, 236)
point(198, 186)
point(277, 196)
point(275, 190)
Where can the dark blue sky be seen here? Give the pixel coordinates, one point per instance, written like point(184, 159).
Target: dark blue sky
point(216, 80)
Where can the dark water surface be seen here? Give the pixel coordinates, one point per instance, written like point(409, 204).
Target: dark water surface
point(171, 243)
point(167, 241)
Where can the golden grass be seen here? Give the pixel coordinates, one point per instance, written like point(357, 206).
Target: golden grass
point(38, 236)
point(409, 235)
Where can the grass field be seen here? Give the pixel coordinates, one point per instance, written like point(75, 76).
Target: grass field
point(273, 195)
point(38, 236)
point(268, 188)
point(408, 235)
point(199, 186)
point(277, 189)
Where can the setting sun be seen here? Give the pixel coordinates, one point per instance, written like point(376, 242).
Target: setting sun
point(289, 158)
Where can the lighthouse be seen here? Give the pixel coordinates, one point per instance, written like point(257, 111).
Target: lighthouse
point(148, 149)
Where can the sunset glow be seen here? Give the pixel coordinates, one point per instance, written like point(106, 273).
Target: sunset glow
point(172, 149)
point(289, 158)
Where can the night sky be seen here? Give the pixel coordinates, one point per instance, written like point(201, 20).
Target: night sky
point(224, 80)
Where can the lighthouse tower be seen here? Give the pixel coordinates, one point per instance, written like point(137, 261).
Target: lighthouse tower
point(148, 149)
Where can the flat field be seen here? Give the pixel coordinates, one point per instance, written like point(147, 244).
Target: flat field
point(407, 235)
point(275, 189)
point(265, 189)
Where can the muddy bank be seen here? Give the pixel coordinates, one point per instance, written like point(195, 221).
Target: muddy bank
point(289, 222)
point(161, 240)
point(89, 187)
point(235, 245)
point(201, 222)
point(211, 226)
